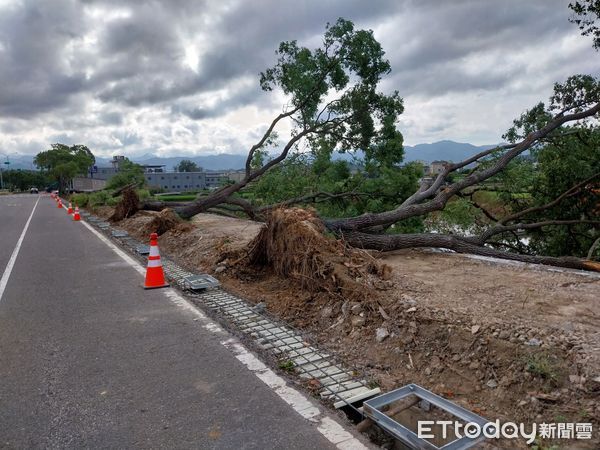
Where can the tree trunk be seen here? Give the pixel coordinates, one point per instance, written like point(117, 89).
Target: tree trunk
point(205, 203)
point(159, 206)
point(387, 242)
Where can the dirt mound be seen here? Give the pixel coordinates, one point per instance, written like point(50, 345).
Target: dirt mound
point(127, 207)
point(164, 221)
point(294, 245)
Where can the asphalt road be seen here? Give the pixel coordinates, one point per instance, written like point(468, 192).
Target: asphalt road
point(89, 359)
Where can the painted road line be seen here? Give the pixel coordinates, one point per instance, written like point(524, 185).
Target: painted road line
point(329, 428)
point(15, 253)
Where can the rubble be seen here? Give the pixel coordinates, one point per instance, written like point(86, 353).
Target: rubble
point(381, 334)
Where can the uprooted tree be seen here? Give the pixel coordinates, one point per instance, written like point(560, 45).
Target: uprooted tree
point(334, 104)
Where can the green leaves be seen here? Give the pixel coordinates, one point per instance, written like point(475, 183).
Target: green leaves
point(333, 91)
point(187, 165)
point(129, 172)
point(577, 93)
point(63, 162)
point(585, 15)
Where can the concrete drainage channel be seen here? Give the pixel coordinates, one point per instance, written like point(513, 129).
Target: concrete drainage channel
point(336, 384)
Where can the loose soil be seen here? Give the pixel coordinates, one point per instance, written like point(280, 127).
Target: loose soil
point(512, 342)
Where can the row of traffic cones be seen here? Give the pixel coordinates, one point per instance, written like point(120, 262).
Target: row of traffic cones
point(155, 276)
point(70, 211)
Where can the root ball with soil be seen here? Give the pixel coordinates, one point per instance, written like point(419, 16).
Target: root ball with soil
point(293, 244)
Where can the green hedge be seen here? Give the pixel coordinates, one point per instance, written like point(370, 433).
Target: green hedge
point(80, 199)
point(102, 198)
point(99, 198)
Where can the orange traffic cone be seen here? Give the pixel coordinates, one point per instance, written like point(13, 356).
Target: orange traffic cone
point(70, 210)
point(155, 277)
point(76, 216)
point(59, 203)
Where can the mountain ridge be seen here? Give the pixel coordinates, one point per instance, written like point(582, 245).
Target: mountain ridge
point(441, 150)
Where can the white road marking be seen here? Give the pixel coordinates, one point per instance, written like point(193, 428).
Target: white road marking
point(328, 427)
point(15, 253)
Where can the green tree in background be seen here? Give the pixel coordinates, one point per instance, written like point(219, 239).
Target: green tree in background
point(187, 165)
point(23, 180)
point(63, 163)
point(129, 173)
point(338, 188)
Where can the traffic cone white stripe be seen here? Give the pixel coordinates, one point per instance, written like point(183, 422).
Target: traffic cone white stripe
point(154, 251)
point(154, 263)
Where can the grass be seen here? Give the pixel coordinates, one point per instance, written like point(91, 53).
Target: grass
point(287, 365)
point(540, 445)
point(176, 198)
point(542, 365)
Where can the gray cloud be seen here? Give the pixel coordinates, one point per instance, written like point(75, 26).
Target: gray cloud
point(35, 73)
point(158, 76)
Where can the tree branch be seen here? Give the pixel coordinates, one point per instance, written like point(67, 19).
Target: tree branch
point(554, 202)
point(388, 242)
point(530, 226)
point(317, 197)
point(411, 209)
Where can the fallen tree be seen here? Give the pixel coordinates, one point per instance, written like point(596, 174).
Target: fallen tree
point(334, 103)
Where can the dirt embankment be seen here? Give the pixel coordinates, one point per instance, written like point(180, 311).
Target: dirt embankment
point(507, 341)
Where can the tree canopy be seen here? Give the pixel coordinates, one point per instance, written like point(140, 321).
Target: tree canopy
point(585, 15)
point(129, 173)
point(63, 163)
point(187, 165)
point(333, 98)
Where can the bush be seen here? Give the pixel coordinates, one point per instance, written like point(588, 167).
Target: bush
point(113, 201)
point(80, 199)
point(99, 198)
point(143, 194)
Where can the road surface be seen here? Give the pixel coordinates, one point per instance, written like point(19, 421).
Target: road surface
point(90, 359)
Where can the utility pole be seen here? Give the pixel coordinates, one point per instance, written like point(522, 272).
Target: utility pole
point(1, 180)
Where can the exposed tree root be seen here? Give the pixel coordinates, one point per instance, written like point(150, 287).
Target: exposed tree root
point(163, 222)
point(128, 205)
point(293, 245)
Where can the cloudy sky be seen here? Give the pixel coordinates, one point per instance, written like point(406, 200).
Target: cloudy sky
point(180, 77)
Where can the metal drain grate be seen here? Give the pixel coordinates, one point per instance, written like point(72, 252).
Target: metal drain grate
point(142, 249)
point(335, 382)
point(200, 282)
point(373, 409)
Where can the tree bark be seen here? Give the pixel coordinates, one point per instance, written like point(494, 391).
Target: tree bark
point(387, 242)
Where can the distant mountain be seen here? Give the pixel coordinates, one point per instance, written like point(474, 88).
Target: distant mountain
point(222, 161)
point(17, 162)
point(442, 150)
